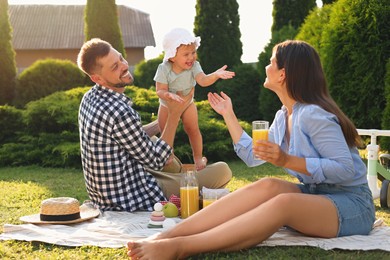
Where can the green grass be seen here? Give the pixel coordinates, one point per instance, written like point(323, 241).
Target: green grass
point(22, 189)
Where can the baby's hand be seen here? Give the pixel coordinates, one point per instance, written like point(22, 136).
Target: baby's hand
point(174, 97)
point(222, 73)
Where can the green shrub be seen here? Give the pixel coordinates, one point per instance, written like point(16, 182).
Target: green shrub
point(217, 24)
point(288, 12)
point(11, 123)
point(385, 141)
point(49, 135)
point(244, 91)
point(144, 72)
point(45, 77)
point(355, 50)
point(145, 101)
point(54, 113)
point(49, 150)
point(314, 25)
point(217, 143)
point(269, 102)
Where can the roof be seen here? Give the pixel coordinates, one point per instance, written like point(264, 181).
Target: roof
point(62, 27)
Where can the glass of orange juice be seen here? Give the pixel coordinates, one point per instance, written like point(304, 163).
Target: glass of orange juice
point(259, 131)
point(209, 197)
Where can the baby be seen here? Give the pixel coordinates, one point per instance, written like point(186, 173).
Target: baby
point(178, 74)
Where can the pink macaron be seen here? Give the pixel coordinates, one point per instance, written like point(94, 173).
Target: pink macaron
point(157, 218)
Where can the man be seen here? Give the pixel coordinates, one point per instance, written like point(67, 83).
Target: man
point(121, 164)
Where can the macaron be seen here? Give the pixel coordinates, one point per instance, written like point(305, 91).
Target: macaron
point(156, 223)
point(157, 218)
point(158, 213)
point(154, 226)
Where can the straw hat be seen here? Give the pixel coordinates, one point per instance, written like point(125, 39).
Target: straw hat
point(62, 210)
point(175, 38)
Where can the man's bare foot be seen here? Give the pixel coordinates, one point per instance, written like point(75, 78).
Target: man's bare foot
point(200, 163)
point(153, 249)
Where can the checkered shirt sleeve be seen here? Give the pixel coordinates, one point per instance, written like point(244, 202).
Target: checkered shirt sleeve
point(115, 151)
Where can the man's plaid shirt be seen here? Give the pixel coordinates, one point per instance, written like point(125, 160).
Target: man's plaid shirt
point(115, 151)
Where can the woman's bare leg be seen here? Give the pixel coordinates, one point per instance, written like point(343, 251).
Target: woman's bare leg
point(231, 206)
point(310, 214)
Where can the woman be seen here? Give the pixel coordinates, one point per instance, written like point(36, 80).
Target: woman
point(313, 140)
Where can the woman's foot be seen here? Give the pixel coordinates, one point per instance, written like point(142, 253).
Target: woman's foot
point(200, 163)
point(153, 249)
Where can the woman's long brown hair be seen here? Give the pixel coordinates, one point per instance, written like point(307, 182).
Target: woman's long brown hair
point(305, 81)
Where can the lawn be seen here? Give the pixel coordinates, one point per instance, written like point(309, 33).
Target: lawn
point(22, 190)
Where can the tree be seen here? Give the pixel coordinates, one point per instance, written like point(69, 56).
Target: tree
point(355, 49)
point(45, 77)
point(314, 25)
point(101, 21)
point(288, 15)
point(385, 141)
point(144, 72)
point(7, 57)
point(217, 23)
point(290, 12)
point(244, 90)
point(269, 102)
point(326, 2)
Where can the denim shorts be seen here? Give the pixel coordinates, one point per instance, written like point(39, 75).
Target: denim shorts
point(354, 204)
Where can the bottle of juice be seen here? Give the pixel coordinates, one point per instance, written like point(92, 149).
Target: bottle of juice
point(189, 194)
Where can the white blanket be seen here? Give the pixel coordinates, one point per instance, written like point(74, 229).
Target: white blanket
point(114, 229)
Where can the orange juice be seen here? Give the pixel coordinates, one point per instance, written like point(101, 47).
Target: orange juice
point(189, 200)
point(259, 134)
point(207, 202)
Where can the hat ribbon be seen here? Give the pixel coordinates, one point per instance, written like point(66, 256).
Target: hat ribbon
point(67, 217)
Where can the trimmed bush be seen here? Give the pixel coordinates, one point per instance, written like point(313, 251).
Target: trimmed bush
point(55, 113)
point(11, 122)
point(48, 135)
point(45, 77)
point(244, 91)
point(144, 72)
point(49, 150)
point(217, 143)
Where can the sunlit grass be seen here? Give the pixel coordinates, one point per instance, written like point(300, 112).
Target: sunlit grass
point(22, 190)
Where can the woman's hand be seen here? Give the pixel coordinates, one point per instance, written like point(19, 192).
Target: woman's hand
point(270, 152)
point(222, 104)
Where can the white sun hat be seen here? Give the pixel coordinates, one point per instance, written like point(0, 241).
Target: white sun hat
point(175, 38)
point(62, 210)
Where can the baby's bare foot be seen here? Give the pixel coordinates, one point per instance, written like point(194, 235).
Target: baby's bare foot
point(200, 163)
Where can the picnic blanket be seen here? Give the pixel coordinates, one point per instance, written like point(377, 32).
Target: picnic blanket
point(114, 229)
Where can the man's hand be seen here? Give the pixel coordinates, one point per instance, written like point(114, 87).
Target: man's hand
point(172, 96)
point(177, 108)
